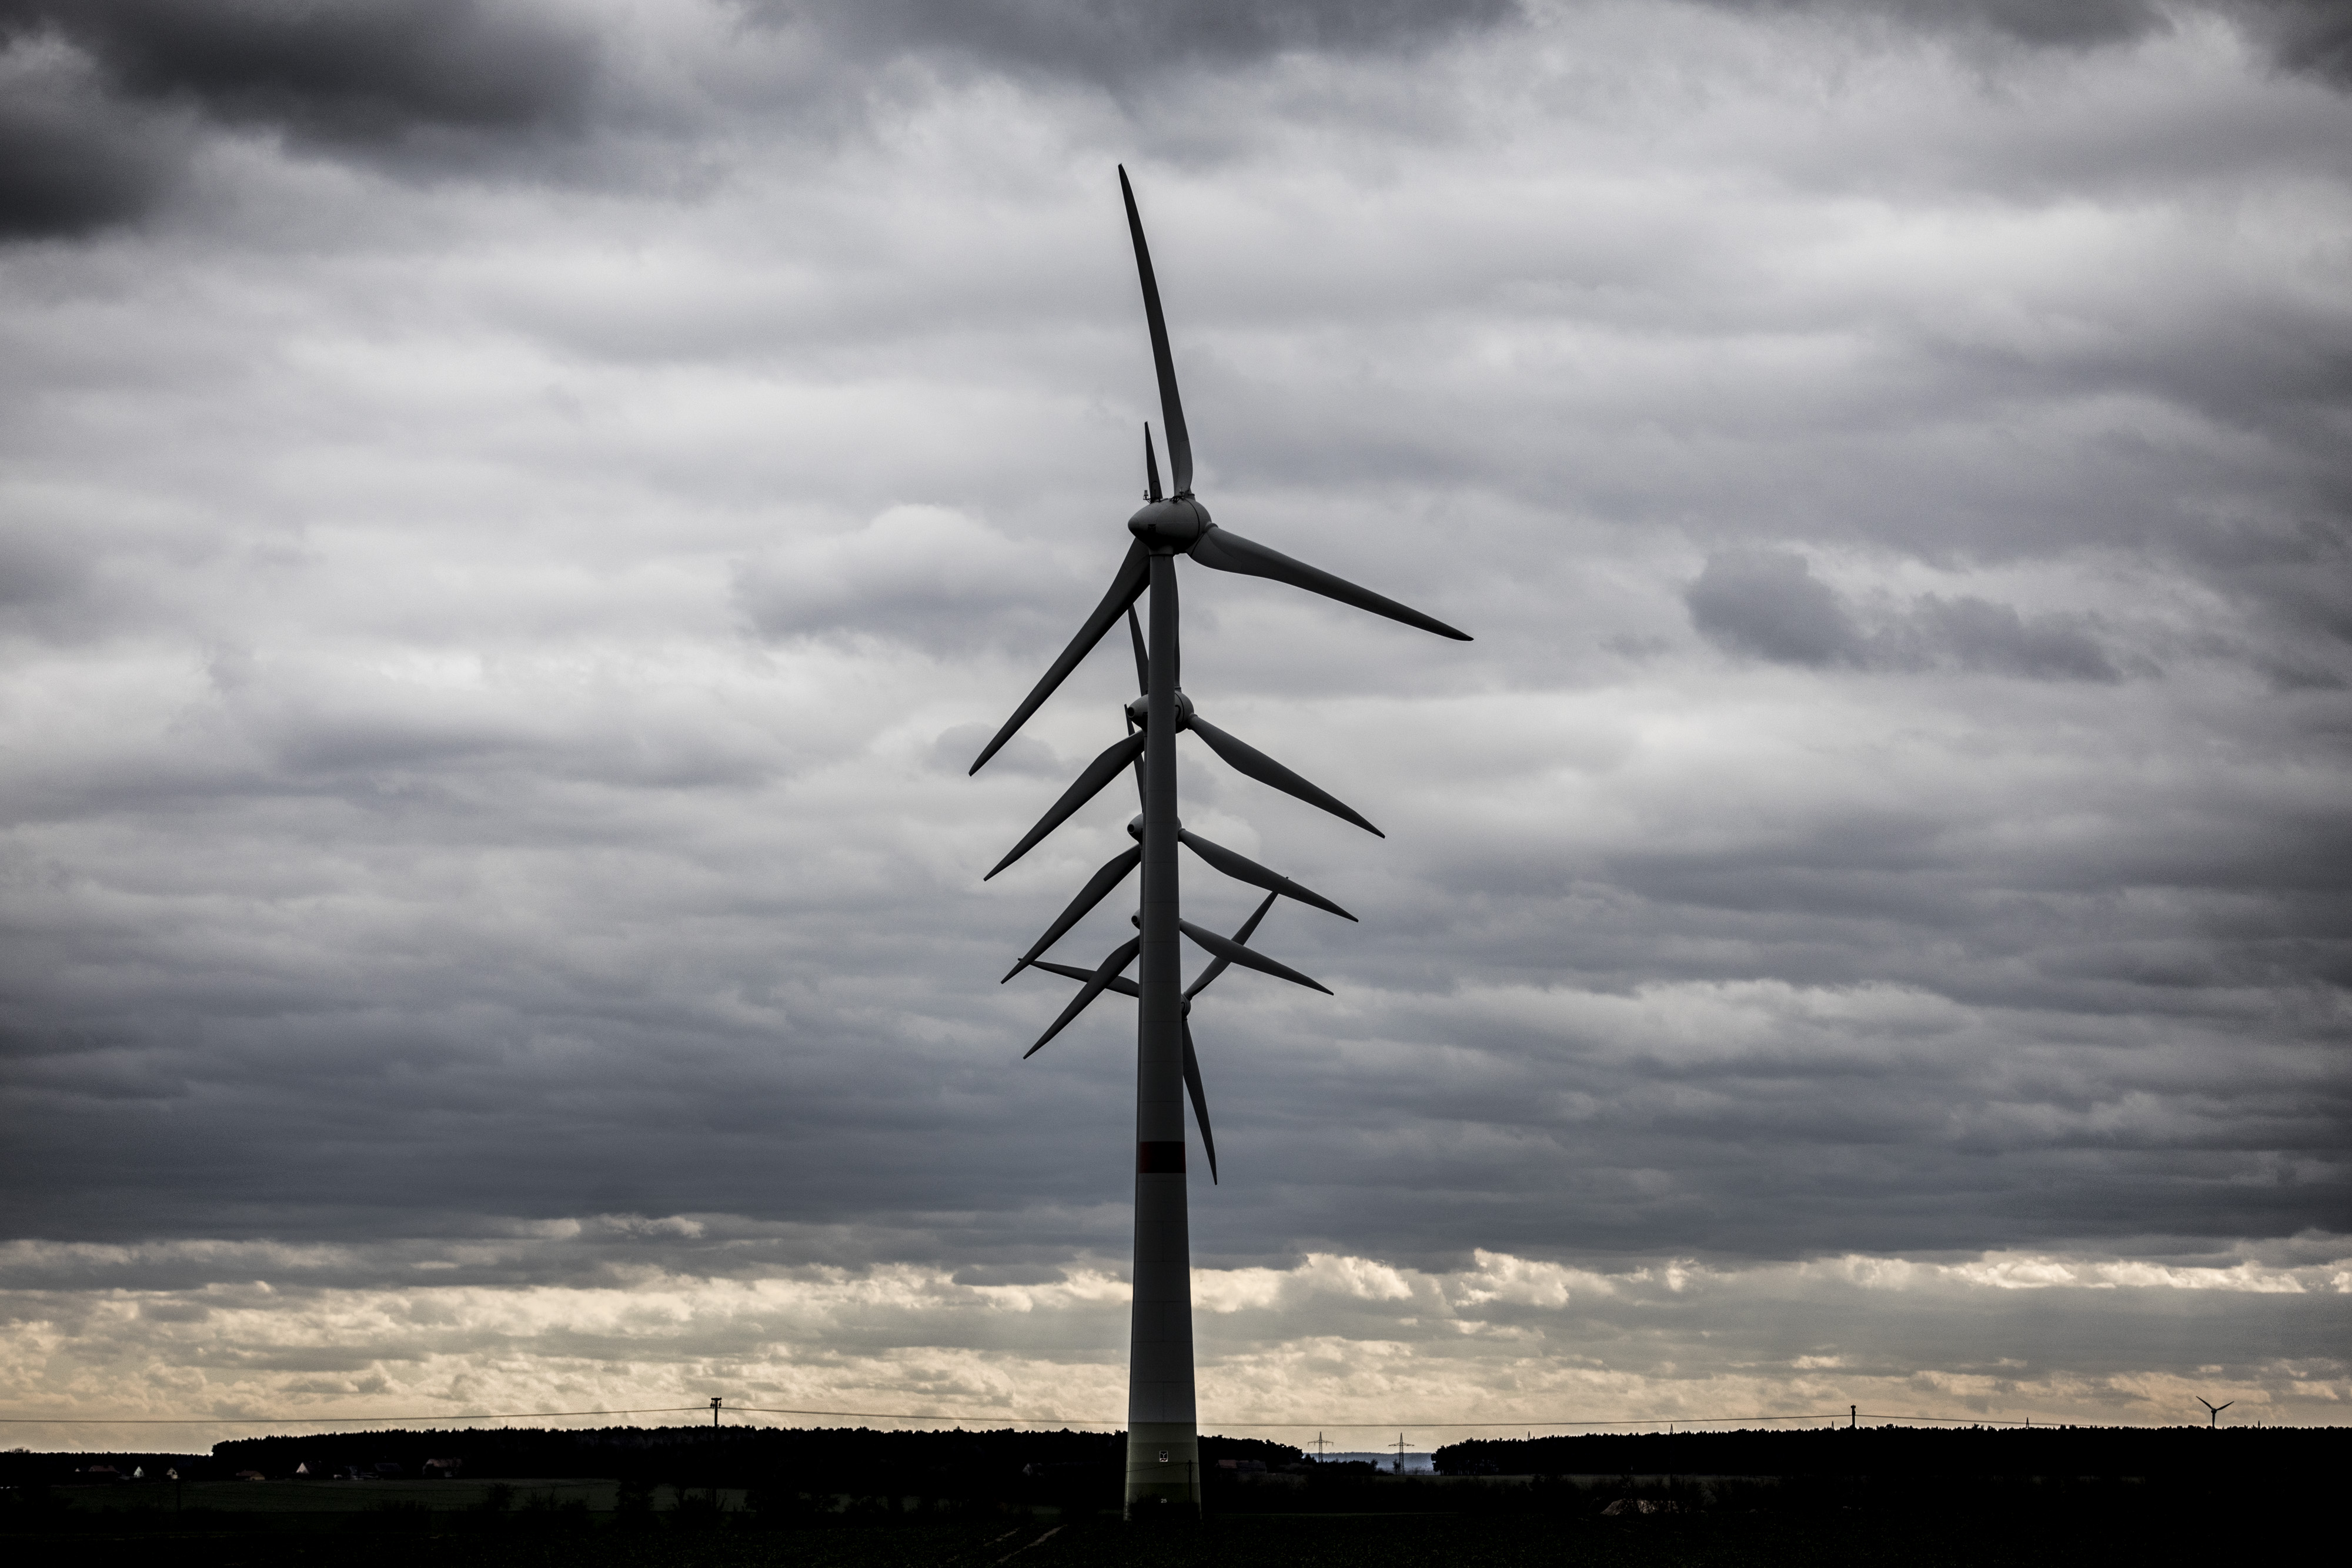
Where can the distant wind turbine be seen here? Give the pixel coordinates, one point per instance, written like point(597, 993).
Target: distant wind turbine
point(2213, 1411)
point(1162, 1440)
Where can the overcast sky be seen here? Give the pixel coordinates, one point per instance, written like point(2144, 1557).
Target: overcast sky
point(515, 517)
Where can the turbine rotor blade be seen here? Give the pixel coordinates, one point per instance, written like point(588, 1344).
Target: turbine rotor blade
point(1119, 983)
point(1224, 550)
point(1171, 407)
point(1241, 868)
point(1199, 1099)
point(1151, 467)
point(1244, 757)
point(1142, 688)
point(1219, 966)
point(1096, 983)
point(1099, 772)
point(1134, 576)
point(1249, 959)
point(1112, 873)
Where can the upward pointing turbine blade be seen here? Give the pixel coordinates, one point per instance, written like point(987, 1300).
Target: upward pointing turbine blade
point(1249, 957)
point(1225, 550)
point(1143, 688)
point(1244, 757)
point(1222, 964)
point(1134, 576)
point(1171, 407)
point(1099, 772)
point(1151, 467)
point(1199, 1099)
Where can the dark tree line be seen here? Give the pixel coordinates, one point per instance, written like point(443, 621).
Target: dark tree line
point(2268, 1453)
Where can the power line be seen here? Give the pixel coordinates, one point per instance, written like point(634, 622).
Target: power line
point(903, 1416)
point(1961, 1420)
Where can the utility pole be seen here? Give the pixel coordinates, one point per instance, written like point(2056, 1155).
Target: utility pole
point(1399, 1448)
point(1853, 1417)
point(714, 1453)
point(1320, 1446)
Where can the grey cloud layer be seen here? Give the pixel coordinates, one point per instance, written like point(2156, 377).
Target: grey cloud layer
point(1767, 604)
point(489, 668)
point(107, 95)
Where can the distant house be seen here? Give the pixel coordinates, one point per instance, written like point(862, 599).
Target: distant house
point(385, 1470)
point(251, 1476)
point(102, 1473)
point(443, 1469)
point(302, 1472)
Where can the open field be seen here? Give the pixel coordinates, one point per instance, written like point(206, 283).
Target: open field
point(1048, 1499)
point(1423, 1540)
point(340, 1497)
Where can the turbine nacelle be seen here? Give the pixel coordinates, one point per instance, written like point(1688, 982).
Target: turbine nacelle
point(1171, 527)
point(1139, 710)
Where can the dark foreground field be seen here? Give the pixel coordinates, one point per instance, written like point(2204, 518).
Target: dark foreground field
point(2097, 1536)
point(2068, 1497)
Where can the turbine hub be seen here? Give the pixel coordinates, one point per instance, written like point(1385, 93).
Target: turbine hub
point(1135, 827)
point(1139, 710)
point(1170, 525)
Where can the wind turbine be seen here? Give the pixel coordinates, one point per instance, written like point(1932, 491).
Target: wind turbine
point(2213, 1411)
point(1162, 1448)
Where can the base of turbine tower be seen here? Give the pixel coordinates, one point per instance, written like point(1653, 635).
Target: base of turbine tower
point(1163, 1472)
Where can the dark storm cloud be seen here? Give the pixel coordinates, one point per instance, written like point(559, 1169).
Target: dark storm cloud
point(2313, 37)
point(1125, 39)
point(72, 160)
point(1767, 604)
point(2297, 578)
point(93, 133)
point(925, 577)
point(2308, 37)
point(2044, 22)
point(362, 73)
